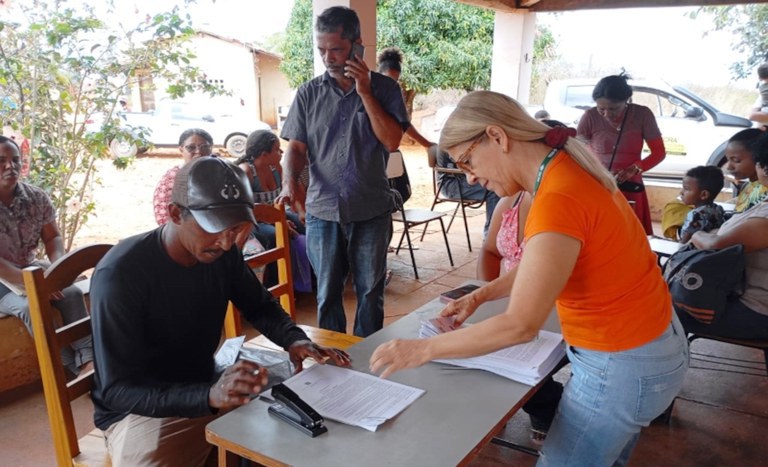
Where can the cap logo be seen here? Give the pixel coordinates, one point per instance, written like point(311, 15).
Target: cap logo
point(230, 191)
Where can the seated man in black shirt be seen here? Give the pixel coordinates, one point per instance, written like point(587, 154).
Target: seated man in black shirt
point(158, 304)
point(451, 186)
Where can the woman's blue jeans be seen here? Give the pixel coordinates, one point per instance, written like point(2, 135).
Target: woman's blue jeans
point(611, 396)
point(338, 249)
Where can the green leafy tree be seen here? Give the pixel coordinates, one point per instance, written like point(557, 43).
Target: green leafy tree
point(297, 47)
point(446, 44)
point(748, 23)
point(62, 70)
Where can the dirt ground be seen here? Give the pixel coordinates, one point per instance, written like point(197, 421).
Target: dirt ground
point(124, 198)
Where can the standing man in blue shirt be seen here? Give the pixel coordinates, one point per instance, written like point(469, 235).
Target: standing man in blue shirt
point(345, 123)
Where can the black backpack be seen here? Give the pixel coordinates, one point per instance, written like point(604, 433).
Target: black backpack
point(702, 281)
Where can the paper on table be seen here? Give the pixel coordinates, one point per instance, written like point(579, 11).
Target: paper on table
point(352, 397)
point(527, 363)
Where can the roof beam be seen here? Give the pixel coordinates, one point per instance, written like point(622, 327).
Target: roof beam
point(571, 5)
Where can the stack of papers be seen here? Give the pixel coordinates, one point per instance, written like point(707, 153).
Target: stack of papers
point(527, 363)
point(352, 397)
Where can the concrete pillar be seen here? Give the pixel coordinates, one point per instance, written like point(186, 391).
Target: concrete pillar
point(366, 11)
point(513, 35)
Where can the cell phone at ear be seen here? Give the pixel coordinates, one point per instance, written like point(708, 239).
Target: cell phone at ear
point(453, 294)
point(357, 49)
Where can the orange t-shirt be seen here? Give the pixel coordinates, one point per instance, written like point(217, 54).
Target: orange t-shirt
point(616, 298)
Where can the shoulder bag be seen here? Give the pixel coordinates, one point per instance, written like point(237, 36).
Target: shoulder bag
point(627, 185)
point(702, 281)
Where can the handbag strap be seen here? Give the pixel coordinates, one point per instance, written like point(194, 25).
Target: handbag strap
point(618, 138)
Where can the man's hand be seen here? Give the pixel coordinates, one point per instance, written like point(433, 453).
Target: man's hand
point(288, 196)
point(300, 350)
point(236, 385)
point(358, 70)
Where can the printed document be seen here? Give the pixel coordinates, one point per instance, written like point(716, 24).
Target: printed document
point(526, 363)
point(352, 397)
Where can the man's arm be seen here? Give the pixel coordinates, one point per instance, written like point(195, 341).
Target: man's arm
point(418, 137)
point(295, 159)
point(385, 127)
point(758, 116)
point(51, 237)
point(9, 272)
point(261, 309)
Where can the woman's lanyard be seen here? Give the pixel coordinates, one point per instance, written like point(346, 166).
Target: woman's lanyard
point(543, 167)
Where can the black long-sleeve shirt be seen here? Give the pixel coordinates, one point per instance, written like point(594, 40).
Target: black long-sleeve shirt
point(157, 324)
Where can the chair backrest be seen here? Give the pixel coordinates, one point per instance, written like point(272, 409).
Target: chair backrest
point(441, 173)
point(49, 341)
point(432, 155)
point(281, 254)
point(395, 165)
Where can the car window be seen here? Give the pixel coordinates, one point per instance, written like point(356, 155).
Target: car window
point(651, 101)
point(579, 97)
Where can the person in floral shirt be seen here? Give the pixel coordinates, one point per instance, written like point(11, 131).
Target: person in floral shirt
point(27, 217)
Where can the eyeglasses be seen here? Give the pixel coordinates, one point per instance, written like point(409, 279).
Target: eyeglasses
point(203, 148)
point(464, 161)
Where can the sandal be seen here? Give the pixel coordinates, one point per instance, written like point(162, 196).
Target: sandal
point(538, 436)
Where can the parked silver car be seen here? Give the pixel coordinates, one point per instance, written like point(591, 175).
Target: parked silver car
point(171, 117)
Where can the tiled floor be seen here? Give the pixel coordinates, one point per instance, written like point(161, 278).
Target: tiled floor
point(719, 417)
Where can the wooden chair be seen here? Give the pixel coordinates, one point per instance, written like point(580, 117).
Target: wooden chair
point(462, 203)
point(90, 450)
point(281, 254)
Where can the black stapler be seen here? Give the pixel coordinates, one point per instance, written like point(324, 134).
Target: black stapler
point(297, 413)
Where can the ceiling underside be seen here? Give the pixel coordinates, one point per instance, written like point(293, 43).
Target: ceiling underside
point(571, 5)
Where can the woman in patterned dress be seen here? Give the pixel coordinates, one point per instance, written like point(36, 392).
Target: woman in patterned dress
point(261, 164)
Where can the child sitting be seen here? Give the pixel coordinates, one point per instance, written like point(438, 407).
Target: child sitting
point(701, 186)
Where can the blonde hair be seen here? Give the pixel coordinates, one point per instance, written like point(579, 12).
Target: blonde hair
point(479, 109)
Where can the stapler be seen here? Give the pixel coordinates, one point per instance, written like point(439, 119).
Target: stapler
point(291, 409)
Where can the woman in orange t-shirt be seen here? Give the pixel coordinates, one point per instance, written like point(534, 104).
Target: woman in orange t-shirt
point(585, 253)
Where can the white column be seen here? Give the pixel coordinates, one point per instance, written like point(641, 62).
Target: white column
point(513, 54)
point(366, 11)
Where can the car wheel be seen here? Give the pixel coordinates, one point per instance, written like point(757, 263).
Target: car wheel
point(235, 145)
point(121, 148)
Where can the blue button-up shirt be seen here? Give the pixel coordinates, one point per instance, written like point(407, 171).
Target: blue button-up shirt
point(347, 163)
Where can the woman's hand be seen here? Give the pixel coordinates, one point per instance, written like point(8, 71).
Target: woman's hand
point(627, 173)
point(462, 308)
point(399, 354)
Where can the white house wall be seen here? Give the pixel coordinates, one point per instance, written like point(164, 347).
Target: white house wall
point(231, 66)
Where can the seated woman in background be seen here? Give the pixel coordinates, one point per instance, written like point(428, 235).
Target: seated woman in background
point(193, 143)
point(741, 166)
point(745, 317)
point(261, 164)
